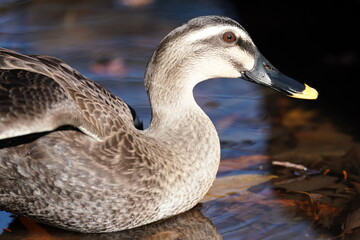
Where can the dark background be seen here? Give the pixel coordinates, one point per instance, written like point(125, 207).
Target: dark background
point(317, 43)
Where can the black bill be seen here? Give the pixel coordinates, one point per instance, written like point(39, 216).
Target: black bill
point(265, 73)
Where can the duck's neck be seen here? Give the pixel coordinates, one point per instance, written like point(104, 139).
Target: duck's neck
point(176, 118)
point(173, 107)
point(170, 92)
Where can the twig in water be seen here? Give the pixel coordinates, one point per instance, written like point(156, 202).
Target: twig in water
point(290, 165)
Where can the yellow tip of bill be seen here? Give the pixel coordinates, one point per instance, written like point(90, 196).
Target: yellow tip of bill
point(308, 93)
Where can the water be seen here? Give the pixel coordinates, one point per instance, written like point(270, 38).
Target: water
point(111, 44)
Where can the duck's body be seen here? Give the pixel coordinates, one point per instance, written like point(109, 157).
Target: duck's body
point(67, 178)
point(103, 174)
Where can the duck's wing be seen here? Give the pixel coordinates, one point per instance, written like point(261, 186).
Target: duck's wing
point(41, 93)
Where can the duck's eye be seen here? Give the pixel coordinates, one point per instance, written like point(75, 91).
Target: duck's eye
point(229, 37)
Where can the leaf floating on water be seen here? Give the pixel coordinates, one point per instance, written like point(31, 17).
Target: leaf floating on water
point(243, 162)
point(235, 185)
point(315, 183)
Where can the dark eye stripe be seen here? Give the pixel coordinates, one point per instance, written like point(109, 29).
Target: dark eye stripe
point(247, 46)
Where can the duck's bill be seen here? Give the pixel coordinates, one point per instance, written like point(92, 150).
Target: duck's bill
point(265, 73)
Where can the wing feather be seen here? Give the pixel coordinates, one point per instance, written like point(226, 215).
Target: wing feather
point(41, 93)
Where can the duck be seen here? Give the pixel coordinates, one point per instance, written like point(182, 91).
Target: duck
point(72, 154)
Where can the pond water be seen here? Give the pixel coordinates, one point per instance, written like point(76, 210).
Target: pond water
point(111, 42)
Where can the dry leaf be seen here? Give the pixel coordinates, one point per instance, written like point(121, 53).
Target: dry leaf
point(237, 184)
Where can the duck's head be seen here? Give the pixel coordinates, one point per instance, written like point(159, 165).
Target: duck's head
point(213, 47)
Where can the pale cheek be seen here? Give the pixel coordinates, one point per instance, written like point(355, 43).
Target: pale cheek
point(247, 61)
point(220, 66)
point(223, 69)
point(217, 68)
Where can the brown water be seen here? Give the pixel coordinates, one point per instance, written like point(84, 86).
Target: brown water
point(111, 43)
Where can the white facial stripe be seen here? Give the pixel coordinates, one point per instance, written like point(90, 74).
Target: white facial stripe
point(213, 31)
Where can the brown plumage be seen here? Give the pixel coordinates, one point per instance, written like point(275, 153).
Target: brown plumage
point(70, 155)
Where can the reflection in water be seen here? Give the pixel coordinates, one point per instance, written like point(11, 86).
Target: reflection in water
point(189, 225)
